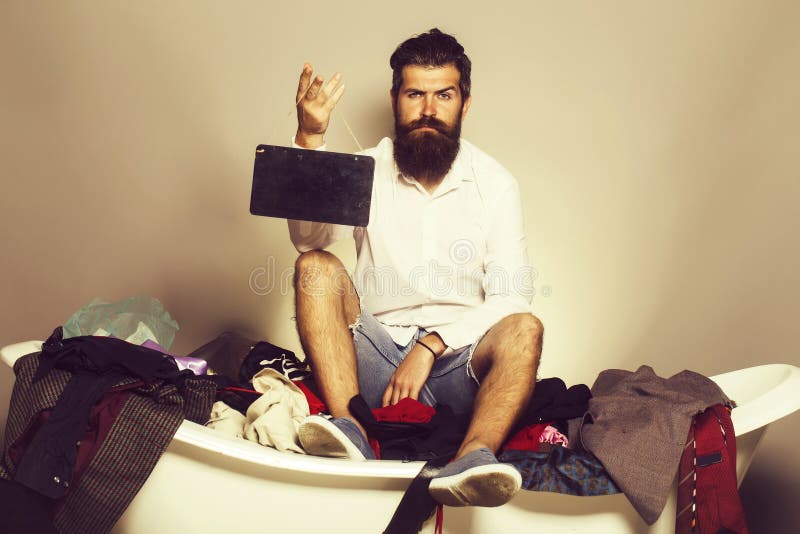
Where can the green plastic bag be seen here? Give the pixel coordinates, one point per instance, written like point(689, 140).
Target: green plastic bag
point(134, 319)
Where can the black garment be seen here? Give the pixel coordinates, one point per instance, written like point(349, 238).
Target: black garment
point(438, 441)
point(49, 459)
point(23, 511)
point(103, 354)
point(417, 505)
point(236, 395)
point(265, 355)
point(439, 437)
point(552, 402)
point(97, 363)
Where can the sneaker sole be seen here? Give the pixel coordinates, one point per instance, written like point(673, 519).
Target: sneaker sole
point(320, 437)
point(484, 485)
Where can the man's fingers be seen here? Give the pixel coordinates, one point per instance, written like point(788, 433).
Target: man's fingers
point(393, 395)
point(334, 98)
point(313, 91)
point(305, 81)
point(331, 84)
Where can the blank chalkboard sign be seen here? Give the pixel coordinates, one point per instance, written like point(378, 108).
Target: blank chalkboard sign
point(312, 185)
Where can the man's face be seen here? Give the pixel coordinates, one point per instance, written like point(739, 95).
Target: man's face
point(428, 110)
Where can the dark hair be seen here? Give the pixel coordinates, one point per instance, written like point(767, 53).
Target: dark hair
point(434, 49)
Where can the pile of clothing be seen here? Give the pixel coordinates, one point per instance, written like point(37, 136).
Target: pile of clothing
point(89, 418)
point(91, 414)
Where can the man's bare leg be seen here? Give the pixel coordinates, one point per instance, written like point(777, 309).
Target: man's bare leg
point(505, 361)
point(326, 303)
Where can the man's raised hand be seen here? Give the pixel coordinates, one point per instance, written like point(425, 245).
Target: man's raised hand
point(315, 103)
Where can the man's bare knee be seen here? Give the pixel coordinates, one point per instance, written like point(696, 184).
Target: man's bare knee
point(525, 331)
point(318, 270)
point(319, 273)
point(530, 324)
point(316, 259)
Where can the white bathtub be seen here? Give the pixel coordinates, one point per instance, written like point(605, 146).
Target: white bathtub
point(210, 483)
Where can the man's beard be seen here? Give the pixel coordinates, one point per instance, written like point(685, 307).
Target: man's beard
point(426, 155)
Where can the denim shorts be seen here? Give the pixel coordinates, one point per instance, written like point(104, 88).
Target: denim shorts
point(451, 381)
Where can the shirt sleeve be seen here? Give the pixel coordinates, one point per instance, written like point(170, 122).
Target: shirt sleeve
point(508, 275)
point(309, 235)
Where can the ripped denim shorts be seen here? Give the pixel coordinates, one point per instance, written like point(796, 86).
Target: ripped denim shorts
point(451, 381)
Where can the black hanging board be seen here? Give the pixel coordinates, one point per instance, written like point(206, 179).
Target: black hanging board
point(312, 185)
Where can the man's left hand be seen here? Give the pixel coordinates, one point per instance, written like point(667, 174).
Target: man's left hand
point(410, 376)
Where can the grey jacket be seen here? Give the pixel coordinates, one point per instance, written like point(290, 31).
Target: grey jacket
point(637, 425)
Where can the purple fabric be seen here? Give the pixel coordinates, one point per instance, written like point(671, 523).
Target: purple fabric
point(195, 365)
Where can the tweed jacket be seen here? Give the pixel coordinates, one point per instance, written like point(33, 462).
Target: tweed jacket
point(637, 424)
point(141, 431)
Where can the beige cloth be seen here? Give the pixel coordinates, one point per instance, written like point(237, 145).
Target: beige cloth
point(273, 419)
point(225, 419)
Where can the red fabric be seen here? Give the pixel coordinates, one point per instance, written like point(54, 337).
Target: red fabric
point(439, 519)
point(101, 419)
point(315, 405)
point(376, 447)
point(712, 487)
point(718, 502)
point(407, 410)
point(526, 439)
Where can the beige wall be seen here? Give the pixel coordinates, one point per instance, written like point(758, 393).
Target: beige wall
point(655, 144)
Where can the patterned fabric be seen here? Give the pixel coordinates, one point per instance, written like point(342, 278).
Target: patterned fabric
point(140, 434)
point(686, 516)
point(561, 470)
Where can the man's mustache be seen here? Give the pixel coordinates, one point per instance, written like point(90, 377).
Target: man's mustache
point(428, 122)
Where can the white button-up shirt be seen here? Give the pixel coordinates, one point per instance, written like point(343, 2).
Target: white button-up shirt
point(454, 261)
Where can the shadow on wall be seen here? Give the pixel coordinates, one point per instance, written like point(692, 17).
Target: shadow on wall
point(769, 497)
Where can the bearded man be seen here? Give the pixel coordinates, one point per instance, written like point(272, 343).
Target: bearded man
point(438, 308)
